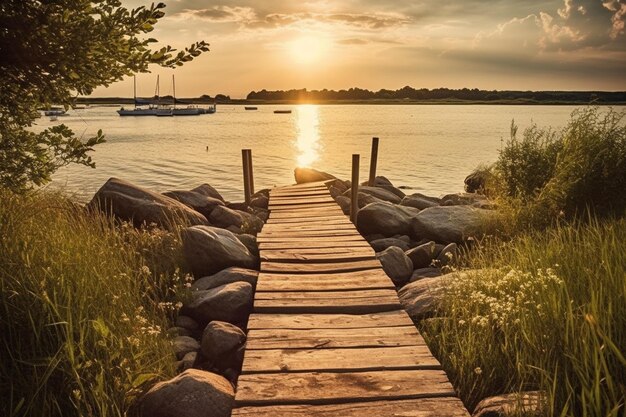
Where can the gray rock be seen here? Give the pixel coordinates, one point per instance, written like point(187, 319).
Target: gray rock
point(250, 242)
point(419, 201)
point(449, 255)
point(226, 276)
point(187, 322)
point(386, 219)
point(241, 206)
point(178, 331)
point(380, 245)
point(188, 361)
point(459, 199)
point(201, 203)
point(379, 181)
point(137, 205)
point(183, 345)
point(403, 238)
point(398, 192)
point(340, 185)
point(344, 203)
point(251, 223)
point(234, 230)
point(304, 175)
point(425, 273)
point(334, 191)
point(230, 302)
point(477, 181)
point(531, 403)
point(261, 213)
point(223, 217)
point(396, 265)
point(208, 250)
point(452, 223)
point(421, 298)
point(375, 236)
point(206, 189)
point(260, 201)
point(220, 340)
point(193, 393)
point(421, 256)
point(364, 199)
point(378, 192)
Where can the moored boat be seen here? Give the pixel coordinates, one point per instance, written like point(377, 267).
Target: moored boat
point(282, 111)
point(55, 111)
point(251, 108)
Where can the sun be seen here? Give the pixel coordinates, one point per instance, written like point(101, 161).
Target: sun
point(307, 49)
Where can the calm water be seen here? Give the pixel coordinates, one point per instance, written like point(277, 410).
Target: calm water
point(430, 148)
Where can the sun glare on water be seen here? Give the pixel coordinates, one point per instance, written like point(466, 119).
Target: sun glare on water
point(307, 142)
point(307, 49)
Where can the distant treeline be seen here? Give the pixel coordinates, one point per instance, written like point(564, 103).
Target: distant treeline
point(444, 94)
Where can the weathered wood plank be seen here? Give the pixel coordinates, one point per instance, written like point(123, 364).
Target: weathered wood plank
point(305, 213)
point(333, 338)
point(319, 226)
point(320, 267)
point(337, 240)
point(317, 207)
point(295, 257)
point(329, 388)
point(364, 250)
point(334, 219)
point(338, 360)
point(331, 302)
point(301, 201)
point(343, 281)
point(300, 233)
point(329, 321)
point(423, 407)
point(312, 244)
point(300, 196)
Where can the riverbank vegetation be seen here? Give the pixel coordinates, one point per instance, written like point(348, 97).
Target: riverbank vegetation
point(542, 306)
point(84, 305)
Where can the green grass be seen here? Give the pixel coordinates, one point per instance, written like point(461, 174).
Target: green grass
point(82, 310)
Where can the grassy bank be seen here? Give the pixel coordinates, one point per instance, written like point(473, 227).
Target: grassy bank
point(82, 312)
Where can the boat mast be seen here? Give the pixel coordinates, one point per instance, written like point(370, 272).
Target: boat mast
point(174, 89)
point(135, 90)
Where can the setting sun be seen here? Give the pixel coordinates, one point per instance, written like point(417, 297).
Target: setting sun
point(308, 49)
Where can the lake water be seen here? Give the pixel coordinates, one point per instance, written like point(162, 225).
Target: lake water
point(429, 148)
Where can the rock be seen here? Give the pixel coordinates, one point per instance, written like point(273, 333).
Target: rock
point(140, 206)
point(379, 181)
point(419, 201)
point(220, 340)
point(403, 238)
point(375, 236)
point(421, 256)
point(201, 203)
point(193, 393)
point(364, 199)
point(531, 403)
point(420, 298)
point(449, 255)
point(344, 203)
point(206, 189)
point(251, 223)
point(187, 323)
point(396, 265)
point(460, 199)
point(237, 206)
point(226, 276)
point(178, 331)
point(261, 213)
point(229, 302)
point(183, 345)
point(234, 230)
point(260, 201)
point(452, 223)
point(398, 192)
point(334, 191)
point(425, 273)
point(386, 219)
point(378, 192)
point(223, 217)
point(188, 361)
point(304, 175)
point(210, 249)
point(338, 184)
point(249, 242)
point(380, 245)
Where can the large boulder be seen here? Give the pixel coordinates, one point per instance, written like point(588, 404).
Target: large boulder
point(345, 203)
point(452, 223)
point(380, 245)
point(223, 217)
point(201, 203)
point(209, 191)
point(396, 265)
point(226, 276)
point(193, 393)
point(386, 219)
point(183, 345)
point(421, 298)
point(210, 249)
point(420, 201)
point(378, 192)
point(229, 302)
point(421, 273)
point(304, 175)
point(422, 255)
point(364, 199)
point(129, 202)
point(250, 242)
point(460, 199)
point(221, 343)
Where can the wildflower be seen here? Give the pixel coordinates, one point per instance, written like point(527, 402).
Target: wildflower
point(145, 270)
point(478, 371)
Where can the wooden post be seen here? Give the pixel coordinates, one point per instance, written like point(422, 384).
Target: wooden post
point(373, 162)
point(354, 203)
point(250, 172)
point(246, 175)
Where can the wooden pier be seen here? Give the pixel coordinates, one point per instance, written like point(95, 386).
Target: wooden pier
point(328, 336)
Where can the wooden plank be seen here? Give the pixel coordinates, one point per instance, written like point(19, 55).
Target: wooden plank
point(328, 387)
point(333, 219)
point(301, 200)
point(422, 407)
point(306, 233)
point(305, 243)
point(327, 207)
point(307, 213)
point(302, 197)
point(319, 251)
point(295, 256)
point(358, 280)
point(303, 268)
point(289, 227)
point(329, 321)
point(331, 302)
point(312, 239)
point(333, 338)
point(338, 360)
point(300, 193)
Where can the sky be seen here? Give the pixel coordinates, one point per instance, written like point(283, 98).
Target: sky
point(374, 44)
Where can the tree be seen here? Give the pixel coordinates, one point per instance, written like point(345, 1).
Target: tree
point(53, 50)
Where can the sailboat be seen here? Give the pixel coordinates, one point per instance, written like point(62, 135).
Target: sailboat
point(140, 109)
point(190, 110)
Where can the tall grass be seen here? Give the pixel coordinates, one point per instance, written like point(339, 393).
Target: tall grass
point(83, 308)
point(546, 311)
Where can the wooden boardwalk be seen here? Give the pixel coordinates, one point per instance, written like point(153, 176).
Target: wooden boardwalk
point(328, 336)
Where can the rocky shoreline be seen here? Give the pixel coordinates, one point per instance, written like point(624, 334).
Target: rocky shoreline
point(417, 238)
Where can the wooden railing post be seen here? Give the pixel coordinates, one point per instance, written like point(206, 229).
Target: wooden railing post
point(373, 162)
point(354, 203)
point(250, 172)
point(246, 175)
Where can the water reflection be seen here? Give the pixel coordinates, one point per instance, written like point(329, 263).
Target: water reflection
point(308, 135)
